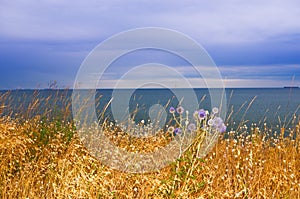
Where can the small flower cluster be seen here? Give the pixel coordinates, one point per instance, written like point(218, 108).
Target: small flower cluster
point(202, 119)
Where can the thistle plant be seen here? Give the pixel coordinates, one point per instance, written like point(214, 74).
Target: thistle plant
point(203, 127)
point(202, 124)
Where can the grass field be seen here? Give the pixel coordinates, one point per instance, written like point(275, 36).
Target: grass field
point(42, 158)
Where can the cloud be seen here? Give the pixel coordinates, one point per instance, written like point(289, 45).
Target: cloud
point(196, 83)
point(209, 22)
point(254, 42)
point(233, 77)
point(262, 71)
point(259, 83)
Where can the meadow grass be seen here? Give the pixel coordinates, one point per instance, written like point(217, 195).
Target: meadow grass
point(42, 157)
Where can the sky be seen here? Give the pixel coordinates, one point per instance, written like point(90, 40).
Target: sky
point(253, 43)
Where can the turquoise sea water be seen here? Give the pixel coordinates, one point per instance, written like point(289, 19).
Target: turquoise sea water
point(274, 106)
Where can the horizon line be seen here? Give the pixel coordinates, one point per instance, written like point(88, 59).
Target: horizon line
point(149, 88)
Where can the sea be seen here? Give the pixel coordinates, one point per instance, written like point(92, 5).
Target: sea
point(274, 107)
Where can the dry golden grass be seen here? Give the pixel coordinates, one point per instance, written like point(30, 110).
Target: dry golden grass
point(42, 157)
point(39, 159)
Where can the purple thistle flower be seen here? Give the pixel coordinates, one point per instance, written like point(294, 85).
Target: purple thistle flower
point(177, 131)
point(217, 123)
point(172, 110)
point(202, 113)
point(215, 110)
point(223, 128)
point(210, 122)
point(180, 110)
point(192, 127)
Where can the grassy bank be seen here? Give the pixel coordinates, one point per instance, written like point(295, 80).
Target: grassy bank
point(45, 159)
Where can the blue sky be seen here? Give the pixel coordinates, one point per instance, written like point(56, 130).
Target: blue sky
point(254, 43)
